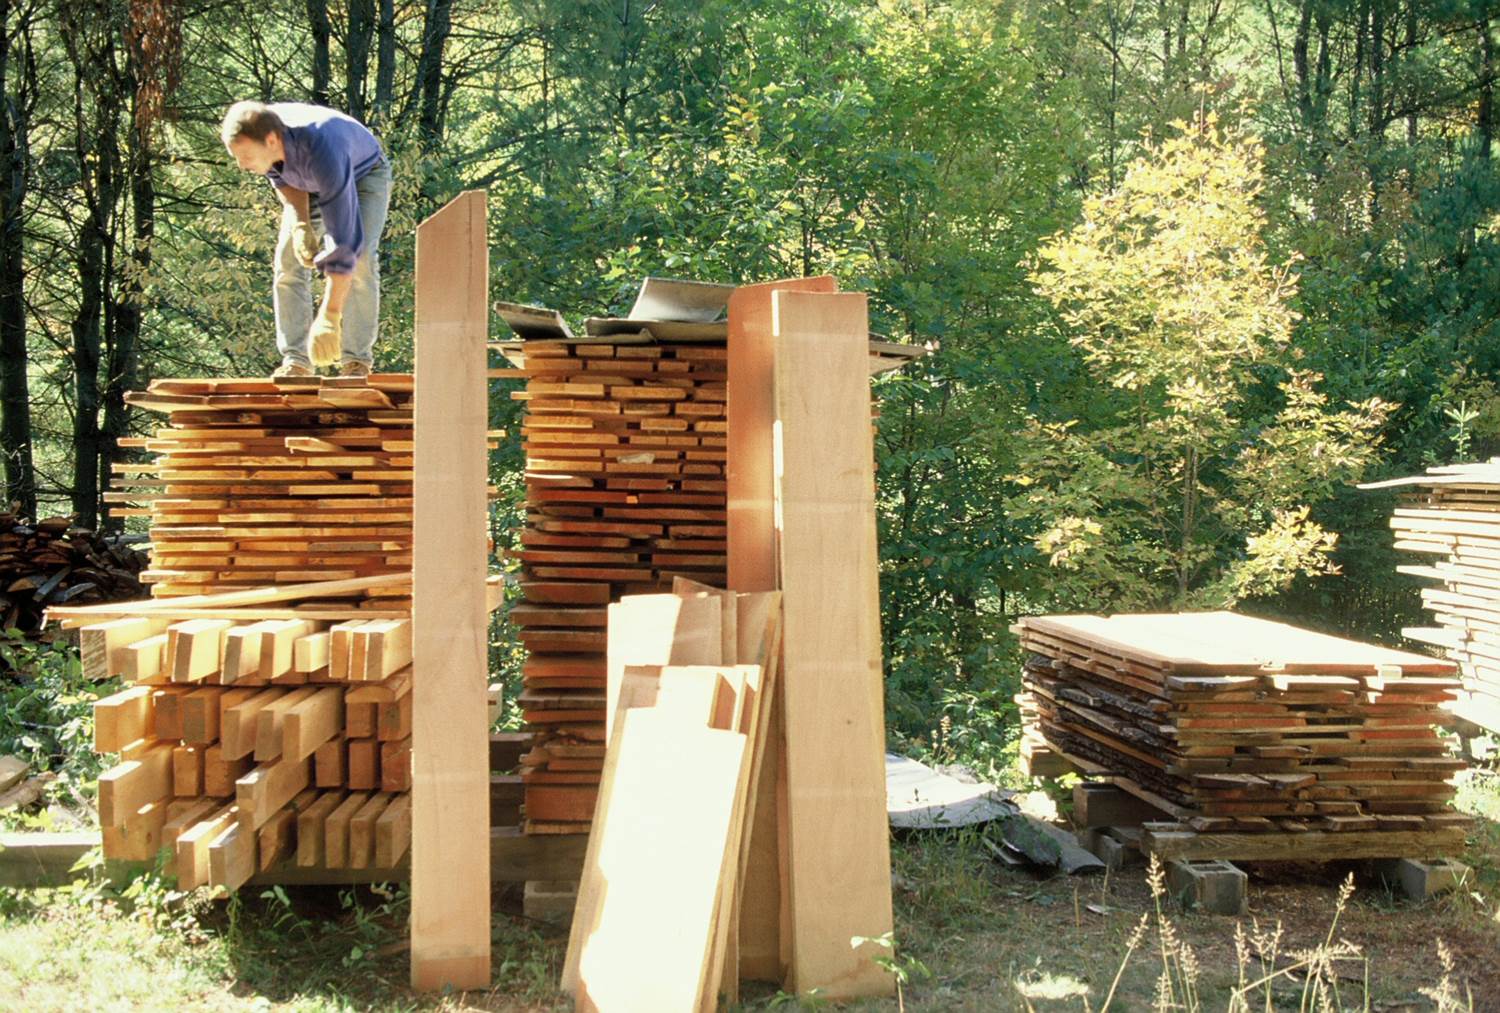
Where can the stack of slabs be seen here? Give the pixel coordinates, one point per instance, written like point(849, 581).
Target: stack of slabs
point(1236, 726)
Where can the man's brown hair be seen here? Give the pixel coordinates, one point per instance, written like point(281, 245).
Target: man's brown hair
point(250, 119)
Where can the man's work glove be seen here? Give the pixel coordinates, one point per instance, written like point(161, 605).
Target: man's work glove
point(305, 245)
point(326, 337)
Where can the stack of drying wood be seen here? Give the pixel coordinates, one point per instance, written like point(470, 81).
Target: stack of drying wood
point(1453, 513)
point(267, 715)
point(625, 490)
point(245, 743)
point(258, 482)
point(52, 562)
point(692, 679)
point(1235, 725)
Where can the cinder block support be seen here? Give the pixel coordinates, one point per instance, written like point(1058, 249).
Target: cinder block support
point(1420, 880)
point(1117, 847)
point(1104, 805)
point(1215, 886)
point(551, 902)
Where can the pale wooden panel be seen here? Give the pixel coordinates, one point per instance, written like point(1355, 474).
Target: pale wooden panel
point(751, 534)
point(839, 849)
point(659, 629)
point(450, 916)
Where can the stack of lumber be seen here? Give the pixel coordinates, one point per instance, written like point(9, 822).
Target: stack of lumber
point(1238, 726)
point(1453, 514)
point(267, 715)
point(246, 743)
point(53, 562)
point(625, 448)
point(256, 482)
point(687, 740)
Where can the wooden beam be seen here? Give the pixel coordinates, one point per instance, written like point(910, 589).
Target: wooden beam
point(450, 915)
point(751, 415)
point(838, 839)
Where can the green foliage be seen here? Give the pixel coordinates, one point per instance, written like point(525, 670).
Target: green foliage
point(1190, 482)
point(47, 715)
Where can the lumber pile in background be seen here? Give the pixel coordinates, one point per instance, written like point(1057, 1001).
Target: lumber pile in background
point(1453, 513)
point(1238, 726)
point(686, 739)
point(54, 562)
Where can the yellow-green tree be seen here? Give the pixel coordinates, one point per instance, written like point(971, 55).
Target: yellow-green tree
point(1191, 477)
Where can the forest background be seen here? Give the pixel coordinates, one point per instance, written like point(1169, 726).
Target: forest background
point(1191, 267)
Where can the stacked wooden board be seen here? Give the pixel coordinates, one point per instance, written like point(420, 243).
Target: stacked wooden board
point(1453, 513)
point(267, 715)
point(685, 738)
point(625, 442)
point(256, 482)
point(1238, 726)
point(248, 744)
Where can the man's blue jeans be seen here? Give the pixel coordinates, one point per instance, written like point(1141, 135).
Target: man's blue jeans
point(292, 294)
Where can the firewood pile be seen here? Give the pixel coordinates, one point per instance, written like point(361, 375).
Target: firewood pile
point(53, 562)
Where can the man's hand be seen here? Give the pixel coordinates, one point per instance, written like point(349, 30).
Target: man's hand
point(326, 337)
point(305, 245)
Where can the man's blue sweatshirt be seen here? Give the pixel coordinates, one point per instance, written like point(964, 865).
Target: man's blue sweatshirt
point(327, 152)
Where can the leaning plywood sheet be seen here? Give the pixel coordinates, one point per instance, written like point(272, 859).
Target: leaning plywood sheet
point(839, 857)
point(450, 920)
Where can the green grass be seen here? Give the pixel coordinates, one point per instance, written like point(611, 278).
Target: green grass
point(973, 936)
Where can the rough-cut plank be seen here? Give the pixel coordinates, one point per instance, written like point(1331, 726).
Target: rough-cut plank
point(267, 788)
point(751, 535)
point(125, 788)
point(450, 916)
point(101, 646)
point(660, 629)
point(312, 722)
point(839, 852)
point(1302, 845)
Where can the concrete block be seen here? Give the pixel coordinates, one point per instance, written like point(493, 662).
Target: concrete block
point(550, 901)
point(1214, 886)
point(1117, 849)
point(1420, 880)
point(1105, 805)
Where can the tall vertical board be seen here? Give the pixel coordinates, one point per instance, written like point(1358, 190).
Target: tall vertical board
point(450, 848)
point(838, 842)
point(751, 414)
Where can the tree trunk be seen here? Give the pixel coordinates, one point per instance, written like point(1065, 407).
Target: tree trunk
point(17, 92)
point(1486, 111)
point(128, 309)
point(357, 53)
point(385, 60)
point(430, 71)
point(317, 19)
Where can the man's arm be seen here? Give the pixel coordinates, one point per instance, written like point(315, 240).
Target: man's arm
point(335, 288)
